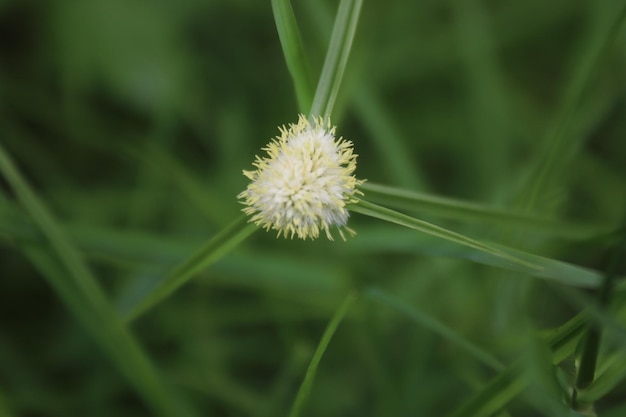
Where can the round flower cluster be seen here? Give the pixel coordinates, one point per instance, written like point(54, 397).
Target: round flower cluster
point(301, 187)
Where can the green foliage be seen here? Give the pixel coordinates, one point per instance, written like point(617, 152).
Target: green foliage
point(131, 285)
point(293, 49)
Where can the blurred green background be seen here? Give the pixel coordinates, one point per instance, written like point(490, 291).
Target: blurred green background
point(133, 120)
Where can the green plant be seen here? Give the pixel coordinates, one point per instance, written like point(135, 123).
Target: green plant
point(433, 296)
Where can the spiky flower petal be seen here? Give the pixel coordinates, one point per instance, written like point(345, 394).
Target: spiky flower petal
point(302, 185)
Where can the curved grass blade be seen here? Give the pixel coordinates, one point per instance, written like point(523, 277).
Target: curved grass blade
point(468, 211)
point(336, 58)
point(61, 264)
point(434, 325)
point(307, 382)
point(510, 383)
point(383, 213)
point(293, 50)
point(212, 251)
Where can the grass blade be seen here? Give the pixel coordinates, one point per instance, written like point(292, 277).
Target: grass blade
point(293, 50)
point(307, 382)
point(139, 248)
point(79, 273)
point(591, 342)
point(434, 325)
point(468, 211)
point(116, 341)
point(63, 267)
point(382, 213)
point(212, 251)
point(390, 144)
point(376, 239)
point(336, 58)
point(510, 383)
point(608, 379)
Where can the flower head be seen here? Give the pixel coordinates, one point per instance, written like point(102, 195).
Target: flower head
point(302, 185)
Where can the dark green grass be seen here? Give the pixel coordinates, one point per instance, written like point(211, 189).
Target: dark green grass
point(124, 128)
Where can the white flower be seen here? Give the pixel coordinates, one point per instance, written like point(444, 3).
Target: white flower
point(303, 184)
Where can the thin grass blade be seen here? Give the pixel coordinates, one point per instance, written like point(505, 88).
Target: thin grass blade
point(434, 325)
point(590, 348)
point(455, 209)
point(383, 213)
point(139, 248)
point(377, 239)
point(373, 115)
point(510, 383)
point(293, 50)
point(336, 58)
point(117, 342)
point(390, 142)
point(79, 273)
point(309, 377)
point(212, 251)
